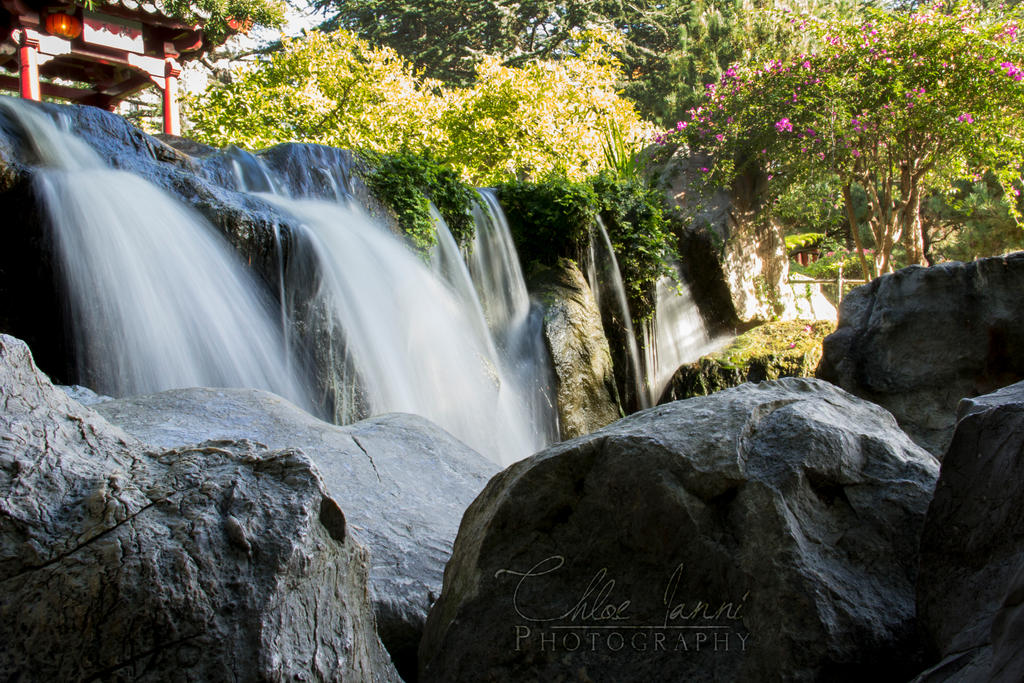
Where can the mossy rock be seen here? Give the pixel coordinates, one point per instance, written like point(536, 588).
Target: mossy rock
point(790, 348)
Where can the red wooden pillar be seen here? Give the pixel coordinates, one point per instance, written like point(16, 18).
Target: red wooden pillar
point(172, 118)
point(28, 55)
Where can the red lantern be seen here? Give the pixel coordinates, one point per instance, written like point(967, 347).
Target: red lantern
point(63, 25)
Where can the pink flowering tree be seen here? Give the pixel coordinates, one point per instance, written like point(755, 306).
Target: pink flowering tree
point(900, 104)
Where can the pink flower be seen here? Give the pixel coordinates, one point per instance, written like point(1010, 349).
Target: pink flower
point(783, 125)
point(720, 137)
point(965, 118)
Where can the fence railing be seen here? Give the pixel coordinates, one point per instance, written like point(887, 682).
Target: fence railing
point(839, 281)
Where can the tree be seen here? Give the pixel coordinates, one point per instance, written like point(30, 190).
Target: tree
point(545, 117)
point(668, 48)
point(221, 18)
point(898, 104)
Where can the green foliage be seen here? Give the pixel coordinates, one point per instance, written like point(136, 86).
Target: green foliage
point(897, 105)
point(804, 240)
point(668, 49)
point(832, 255)
point(971, 222)
point(549, 219)
point(640, 232)
point(328, 89)
point(555, 218)
point(218, 13)
point(773, 350)
point(546, 117)
point(407, 183)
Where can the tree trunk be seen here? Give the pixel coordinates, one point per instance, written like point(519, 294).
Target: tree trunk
point(851, 217)
point(913, 238)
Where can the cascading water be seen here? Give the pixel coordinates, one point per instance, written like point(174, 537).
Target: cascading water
point(157, 298)
point(413, 340)
point(516, 321)
point(676, 335)
point(447, 262)
point(619, 292)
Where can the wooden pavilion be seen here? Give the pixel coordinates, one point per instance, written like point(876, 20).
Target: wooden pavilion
point(97, 55)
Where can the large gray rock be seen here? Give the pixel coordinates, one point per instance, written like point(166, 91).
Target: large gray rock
point(734, 256)
point(972, 550)
point(919, 340)
point(766, 532)
point(403, 482)
point(218, 561)
point(587, 397)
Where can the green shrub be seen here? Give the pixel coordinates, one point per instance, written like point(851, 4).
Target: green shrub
point(639, 228)
point(804, 240)
point(549, 219)
point(407, 183)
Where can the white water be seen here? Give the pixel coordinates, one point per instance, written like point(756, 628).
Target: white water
point(619, 290)
point(158, 299)
point(677, 335)
point(415, 343)
point(516, 322)
point(447, 263)
point(495, 268)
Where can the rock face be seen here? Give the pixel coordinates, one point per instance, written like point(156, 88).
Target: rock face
point(735, 261)
point(971, 586)
point(403, 483)
point(587, 397)
point(767, 532)
point(218, 561)
point(919, 340)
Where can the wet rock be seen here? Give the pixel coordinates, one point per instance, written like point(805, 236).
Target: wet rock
point(766, 532)
point(587, 396)
point(919, 340)
point(403, 483)
point(217, 561)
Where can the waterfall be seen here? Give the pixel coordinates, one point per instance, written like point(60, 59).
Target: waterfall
point(516, 321)
point(494, 265)
point(417, 337)
point(157, 298)
point(676, 335)
point(447, 263)
point(412, 338)
point(619, 292)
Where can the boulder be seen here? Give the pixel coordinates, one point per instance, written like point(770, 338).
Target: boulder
point(733, 256)
point(972, 550)
point(218, 561)
point(587, 396)
point(919, 340)
point(766, 532)
point(402, 481)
